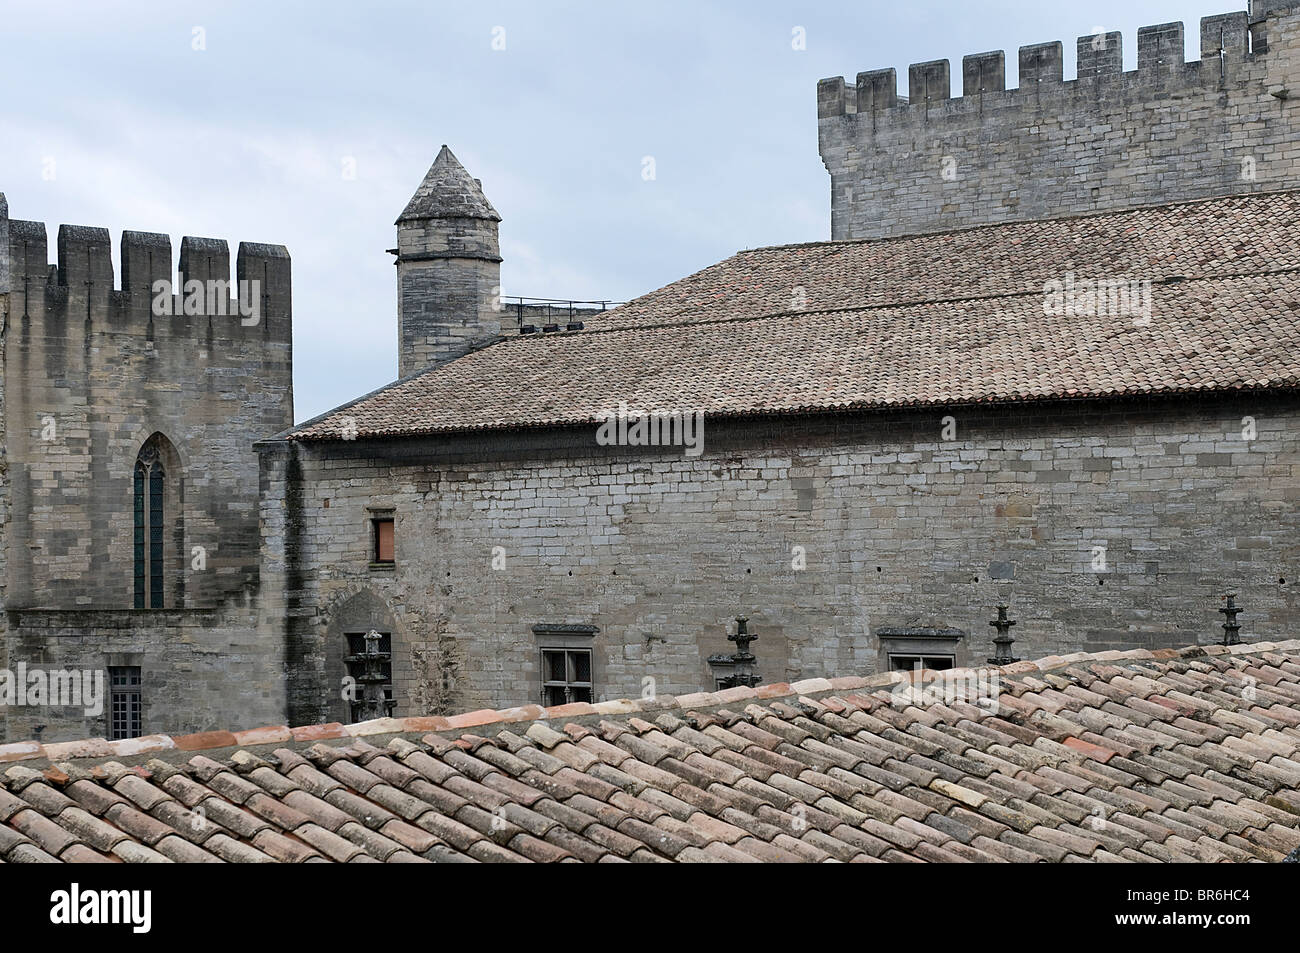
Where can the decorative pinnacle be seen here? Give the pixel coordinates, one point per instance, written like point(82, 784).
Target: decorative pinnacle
point(1231, 627)
point(743, 659)
point(374, 702)
point(1002, 641)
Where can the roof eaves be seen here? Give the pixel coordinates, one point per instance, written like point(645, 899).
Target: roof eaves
point(487, 719)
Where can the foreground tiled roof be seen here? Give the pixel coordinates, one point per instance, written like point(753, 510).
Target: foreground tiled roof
point(1173, 755)
point(947, 319)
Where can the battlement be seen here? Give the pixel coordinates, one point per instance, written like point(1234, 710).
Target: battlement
point(1169, 130)
point(259, 299)
point(1225, 40)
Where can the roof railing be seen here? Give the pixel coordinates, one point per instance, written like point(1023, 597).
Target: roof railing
point(551, 313)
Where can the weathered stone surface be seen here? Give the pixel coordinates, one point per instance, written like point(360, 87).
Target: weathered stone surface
point(660, 552)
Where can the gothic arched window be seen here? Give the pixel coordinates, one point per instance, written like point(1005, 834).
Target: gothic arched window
point(150, 483)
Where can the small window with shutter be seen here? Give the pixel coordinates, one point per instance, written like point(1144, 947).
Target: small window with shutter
point(384, 540)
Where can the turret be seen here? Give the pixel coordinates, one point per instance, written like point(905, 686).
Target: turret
point(448, 269)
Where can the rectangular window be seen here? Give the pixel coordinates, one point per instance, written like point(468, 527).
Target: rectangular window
point(125, 703)
point(566, 676)
point(908, 663)
point(357, 669)
point(902, 649)
point(384, 540)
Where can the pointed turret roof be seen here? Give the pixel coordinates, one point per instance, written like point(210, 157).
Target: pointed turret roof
point(448, 191)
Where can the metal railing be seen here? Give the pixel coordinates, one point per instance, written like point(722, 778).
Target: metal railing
point(553, 314)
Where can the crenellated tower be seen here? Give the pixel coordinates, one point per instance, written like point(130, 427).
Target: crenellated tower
point(165, 377)
point(448, 268)
point(1168, 131)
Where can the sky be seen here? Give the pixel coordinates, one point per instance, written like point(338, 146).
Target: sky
point(311, 124)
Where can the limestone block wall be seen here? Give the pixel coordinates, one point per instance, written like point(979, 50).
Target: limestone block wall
point(201, 670)
point(1169, 131)
point(897, 526)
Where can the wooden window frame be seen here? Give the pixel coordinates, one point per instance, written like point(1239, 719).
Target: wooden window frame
point(573, 688)
point(571, 640)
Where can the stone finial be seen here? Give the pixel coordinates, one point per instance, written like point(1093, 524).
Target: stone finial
point(374, 702)
point(1002, 641)
point(1231, 627)
point(743, 674)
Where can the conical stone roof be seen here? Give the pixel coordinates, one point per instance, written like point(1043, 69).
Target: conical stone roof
point(448, 191)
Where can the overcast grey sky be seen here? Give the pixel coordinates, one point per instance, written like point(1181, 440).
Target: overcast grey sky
point(249, 137)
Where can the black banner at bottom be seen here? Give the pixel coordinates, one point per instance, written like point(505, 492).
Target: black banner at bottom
point(318, 901)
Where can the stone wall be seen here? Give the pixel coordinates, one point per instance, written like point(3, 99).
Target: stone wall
point(899, 528)
point(201, 670)
point(1167, 132)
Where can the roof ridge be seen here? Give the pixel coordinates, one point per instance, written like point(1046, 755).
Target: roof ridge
point(981, 226)
point(880, 306)
point(100, 748)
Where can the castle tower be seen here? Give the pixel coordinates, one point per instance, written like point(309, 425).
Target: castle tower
point(448, 268)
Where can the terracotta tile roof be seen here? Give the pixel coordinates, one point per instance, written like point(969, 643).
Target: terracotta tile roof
point(945, 319)
point(1174, 755)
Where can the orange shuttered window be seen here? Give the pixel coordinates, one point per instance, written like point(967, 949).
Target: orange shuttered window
point(383, 541)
